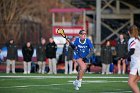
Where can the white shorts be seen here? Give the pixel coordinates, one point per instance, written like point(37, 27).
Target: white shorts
point(134, 69)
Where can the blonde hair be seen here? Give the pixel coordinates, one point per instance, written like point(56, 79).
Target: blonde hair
point(134, 32)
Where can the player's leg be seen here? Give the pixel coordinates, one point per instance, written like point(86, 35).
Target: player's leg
point(82, 69)
point(137, 79)
point(82, 65)
point(132, 82)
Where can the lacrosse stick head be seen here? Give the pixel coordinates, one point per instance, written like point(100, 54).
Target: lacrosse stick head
point(61, 31)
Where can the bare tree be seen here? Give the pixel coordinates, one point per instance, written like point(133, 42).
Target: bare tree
point(15, 13)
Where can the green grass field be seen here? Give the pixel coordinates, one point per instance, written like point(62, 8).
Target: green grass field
point(37, 83)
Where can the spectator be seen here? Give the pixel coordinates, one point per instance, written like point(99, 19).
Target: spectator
point(51, 48)
point(121, 50)
point(106, 57)
point(11, 56)
point(1, 56)
point(68, 56)
point(41, 56)
point(27, 51)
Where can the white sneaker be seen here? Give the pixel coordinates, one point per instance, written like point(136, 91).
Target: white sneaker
point(78, 83)
point(76, 88)
point(75, 83)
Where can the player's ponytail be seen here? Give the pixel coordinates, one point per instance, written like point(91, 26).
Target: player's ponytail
point(134, 32)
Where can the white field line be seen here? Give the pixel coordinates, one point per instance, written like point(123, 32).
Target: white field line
point(69, 83)
point(118, 92)
point(25, 86)
point(101, 81)
point(59, 77)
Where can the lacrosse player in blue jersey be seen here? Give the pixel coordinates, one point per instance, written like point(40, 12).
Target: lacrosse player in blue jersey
point(84, 50)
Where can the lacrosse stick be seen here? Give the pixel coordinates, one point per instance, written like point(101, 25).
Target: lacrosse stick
point(62, 33)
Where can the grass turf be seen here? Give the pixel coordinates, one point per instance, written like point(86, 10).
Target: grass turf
point(37, 83)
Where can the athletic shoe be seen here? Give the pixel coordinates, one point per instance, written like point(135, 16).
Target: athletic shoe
point(79, 83)
point(75, 83)
point(76, 88)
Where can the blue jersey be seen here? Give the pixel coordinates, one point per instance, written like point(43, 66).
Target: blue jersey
point(82, 49)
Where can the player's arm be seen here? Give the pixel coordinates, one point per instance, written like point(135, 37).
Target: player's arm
point(71, 44)
point(132, 45)
point(131, 52)
point(90, 53)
